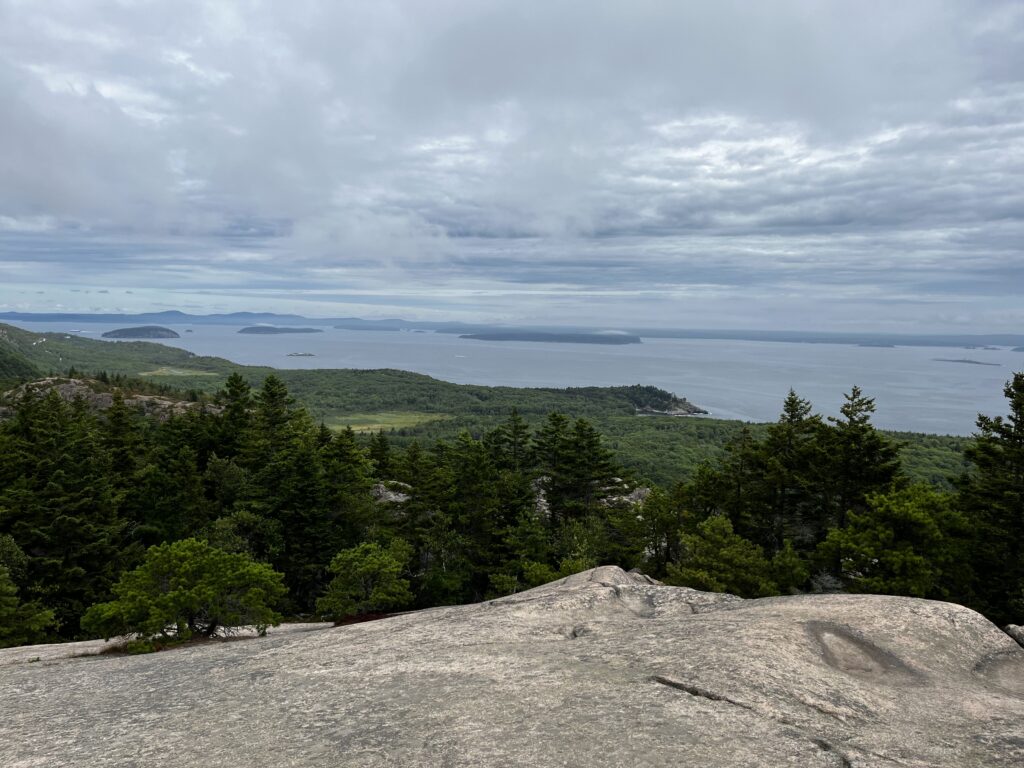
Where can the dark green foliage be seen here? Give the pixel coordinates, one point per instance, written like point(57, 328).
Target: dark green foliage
point(862, 461)
point(21, 623)
point(15, 367)
point(368, 578)
point(992, 498)
point(717, 559)
point(59, 505)
point(188, 587)
point(907, 542)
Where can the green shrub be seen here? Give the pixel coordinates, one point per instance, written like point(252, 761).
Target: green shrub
point(189, 587)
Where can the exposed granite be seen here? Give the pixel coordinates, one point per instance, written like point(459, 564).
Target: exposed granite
point(603, 668)
point(93, 393)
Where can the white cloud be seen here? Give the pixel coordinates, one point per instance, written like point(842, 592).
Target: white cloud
point(584, 160)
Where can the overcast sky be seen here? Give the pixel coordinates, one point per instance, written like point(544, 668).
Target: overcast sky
point(790, 165)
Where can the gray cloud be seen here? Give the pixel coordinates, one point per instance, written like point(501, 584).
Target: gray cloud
point(858, 163)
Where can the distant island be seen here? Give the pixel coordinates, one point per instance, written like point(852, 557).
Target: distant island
point(142, 332)
point(267, 330)
point(560, 338)
point(978, 340)
point(301, 354)
point(963, 360)
point(1017, 349)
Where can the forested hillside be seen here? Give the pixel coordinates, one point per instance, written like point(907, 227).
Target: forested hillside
point(250, 486)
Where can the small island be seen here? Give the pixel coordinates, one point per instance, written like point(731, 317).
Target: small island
point(267, 330)
point(963, 360)
point(558, 338)
point(142, 332)
point(1017, 349)
point(301, 354)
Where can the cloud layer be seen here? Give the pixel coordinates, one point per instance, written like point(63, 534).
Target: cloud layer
point(793, 164)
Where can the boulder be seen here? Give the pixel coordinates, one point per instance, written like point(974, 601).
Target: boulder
point(603, 668)
point(1016, 632)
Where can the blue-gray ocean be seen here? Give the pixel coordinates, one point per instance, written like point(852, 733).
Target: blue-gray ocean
point(732, 379)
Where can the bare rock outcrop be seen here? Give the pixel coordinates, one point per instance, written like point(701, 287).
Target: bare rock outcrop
point(603, 668)
point(99, 399)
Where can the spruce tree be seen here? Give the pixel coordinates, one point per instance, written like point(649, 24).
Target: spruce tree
point(21, 623)
point(862, 461)
point(992, 498)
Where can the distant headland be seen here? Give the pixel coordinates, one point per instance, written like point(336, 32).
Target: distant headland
point(558, 338)
point(269, 330)
point(142, 332)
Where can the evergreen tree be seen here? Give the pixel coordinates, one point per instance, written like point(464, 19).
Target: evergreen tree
point(719, 560)
point(347, 478)
point(167, 499)
point(590, 474)
point(862, 460)
point(192, 587)
point(791, 456)
point(551, 453)
point(122, 438)
point(59, 506)
point(510, 443)
point(380, 455)
point(740, 484)
point(992, 499)
point(235, 420)
point(367, 578)
point(21, 623)
point(907, 542)
point(475, 511)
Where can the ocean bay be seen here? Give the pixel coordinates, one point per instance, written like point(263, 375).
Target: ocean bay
point(732, 379)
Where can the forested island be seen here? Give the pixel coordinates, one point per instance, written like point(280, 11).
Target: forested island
point(142, 332)
point(558, 338)
point(269, 330)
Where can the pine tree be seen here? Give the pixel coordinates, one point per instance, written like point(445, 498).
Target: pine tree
point(717, 559)
point(907, 542)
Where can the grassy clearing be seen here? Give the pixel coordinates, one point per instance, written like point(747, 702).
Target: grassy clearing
point(386, 420)
point(165, 371)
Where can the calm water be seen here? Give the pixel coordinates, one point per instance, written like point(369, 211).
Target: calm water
point(732, 379)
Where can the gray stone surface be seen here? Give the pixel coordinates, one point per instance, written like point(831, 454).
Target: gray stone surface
point(603, 668)
point(1016, 632)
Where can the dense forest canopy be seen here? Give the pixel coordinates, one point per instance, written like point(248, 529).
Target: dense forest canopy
point(355, 524)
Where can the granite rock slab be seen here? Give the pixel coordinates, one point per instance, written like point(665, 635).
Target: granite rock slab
point(604, 668)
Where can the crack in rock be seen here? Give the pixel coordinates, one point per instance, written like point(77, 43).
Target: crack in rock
point(704, 693)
